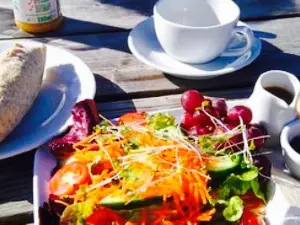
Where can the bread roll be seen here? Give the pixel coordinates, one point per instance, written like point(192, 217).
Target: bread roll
point(21, 73)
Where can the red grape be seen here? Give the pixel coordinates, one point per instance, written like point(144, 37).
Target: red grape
point(199, 130)
point(211, 128)
point(220, 105)
point(190, 100)
point(230, 143)
point(187, 121)
point(253, 131)
point(260, 127)
point(201, 118)
point(239, 111)
point(237, 139)
point(221, 129)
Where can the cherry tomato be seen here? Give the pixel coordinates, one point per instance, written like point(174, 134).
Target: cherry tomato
point(133, 117)
point(105, 216)
point(253, 203)
point(249, 218)
point(99, 167)
point(253, 210)
point(67, 179)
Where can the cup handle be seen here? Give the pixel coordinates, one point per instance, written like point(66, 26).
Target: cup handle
point(248, 34)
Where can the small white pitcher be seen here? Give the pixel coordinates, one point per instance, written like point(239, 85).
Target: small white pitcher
point(268, 109)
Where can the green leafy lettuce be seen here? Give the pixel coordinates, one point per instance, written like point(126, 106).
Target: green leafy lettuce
point(236, 185)
point(77, 213)
point(160, 121)
point(234, 209)
point(240, 184)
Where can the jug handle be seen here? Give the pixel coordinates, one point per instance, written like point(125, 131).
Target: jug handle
point(298, 106)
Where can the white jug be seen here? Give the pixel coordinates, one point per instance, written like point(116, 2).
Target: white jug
point(268, 109)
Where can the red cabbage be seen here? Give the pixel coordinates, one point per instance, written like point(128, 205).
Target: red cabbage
point(85, 117)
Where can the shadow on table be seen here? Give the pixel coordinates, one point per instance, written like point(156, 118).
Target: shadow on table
point(16, 175)
point(116, 39)
point(250, 9)
point(75, 26)
point(69, 26)
point(110, 106)
point(144, 7)
point(265, 9)
point(271, 58)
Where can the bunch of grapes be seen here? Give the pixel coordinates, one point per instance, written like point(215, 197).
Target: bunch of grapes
point(203, 116)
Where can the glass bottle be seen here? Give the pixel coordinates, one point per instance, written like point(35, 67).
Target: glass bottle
point(37, 16)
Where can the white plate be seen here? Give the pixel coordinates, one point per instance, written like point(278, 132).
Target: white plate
point(282, 209)
point(66, 81)
point(144, 45)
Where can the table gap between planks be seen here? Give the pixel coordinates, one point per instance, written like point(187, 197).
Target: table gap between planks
point(97, 30)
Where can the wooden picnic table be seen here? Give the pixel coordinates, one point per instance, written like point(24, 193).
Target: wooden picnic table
point(97, 30)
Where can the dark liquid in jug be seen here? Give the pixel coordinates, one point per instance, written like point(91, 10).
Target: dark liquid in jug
point(295, 143)
point(281, 93)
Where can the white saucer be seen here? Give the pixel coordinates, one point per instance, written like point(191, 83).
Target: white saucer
point(66, 81)
point(144, 45)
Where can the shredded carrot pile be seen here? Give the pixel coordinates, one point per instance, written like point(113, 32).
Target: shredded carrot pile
point(135, 162)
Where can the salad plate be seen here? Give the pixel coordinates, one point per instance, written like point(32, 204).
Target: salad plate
point(66, 81)
point(143, 44)
point(283, 205)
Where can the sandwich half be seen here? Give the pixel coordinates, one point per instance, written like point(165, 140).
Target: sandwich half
point(21, 74)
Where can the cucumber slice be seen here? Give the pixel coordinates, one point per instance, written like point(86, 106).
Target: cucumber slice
point(223, 165)
point(119, 202)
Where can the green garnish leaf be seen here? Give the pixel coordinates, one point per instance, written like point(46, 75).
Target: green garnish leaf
point(234, 209)
point(256, 190)
point(252, 145)
point(238, 184)
point(223, 192)
point(132, 144)
point(115, 163)
point(248, 175)
point(77, 213)
point(97, 127)
point(172, 131)
point(235, 186)
point(245, 165)
point(160, 121)
point(133, 176)
point(82, 192)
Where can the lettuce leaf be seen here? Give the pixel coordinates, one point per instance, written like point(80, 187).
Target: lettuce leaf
point(160, 121)
point(256, 190)
point(234, 209)
point(77, 213)
point(240, 184)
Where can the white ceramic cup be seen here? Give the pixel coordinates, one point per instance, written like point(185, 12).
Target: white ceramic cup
point(198, 31)
point(290, 156)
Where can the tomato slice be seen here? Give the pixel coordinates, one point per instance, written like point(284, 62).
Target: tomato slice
point(133, 117)
point(249, 218)
point(254, 210)
point(67, 179)
point(100, 167)
point(105, 216)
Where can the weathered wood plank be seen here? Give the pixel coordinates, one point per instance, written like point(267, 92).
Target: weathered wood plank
point(120, 75)
point(16, 189)
point(115, 109)
point(91, 16)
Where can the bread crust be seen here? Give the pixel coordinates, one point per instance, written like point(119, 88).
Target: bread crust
point(21, 74)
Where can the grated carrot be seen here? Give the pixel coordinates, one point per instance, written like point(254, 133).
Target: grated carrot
point(175, 173)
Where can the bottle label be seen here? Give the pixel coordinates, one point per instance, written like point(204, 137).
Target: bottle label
point(36, 11)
